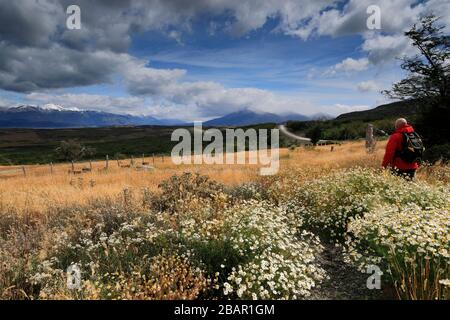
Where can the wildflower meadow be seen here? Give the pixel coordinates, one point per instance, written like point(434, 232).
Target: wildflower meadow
point(197, 235)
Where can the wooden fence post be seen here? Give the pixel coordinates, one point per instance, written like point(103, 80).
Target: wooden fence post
point(107, 162)
point(51, 167)
point(90, 165)
point(370, 140)
point(73, 167)
point(153, 157)
point(24, 172)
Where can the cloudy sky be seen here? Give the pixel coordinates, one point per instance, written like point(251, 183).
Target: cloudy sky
point(205, 58)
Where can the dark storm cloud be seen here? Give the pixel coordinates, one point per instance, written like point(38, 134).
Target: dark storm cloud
point(30, 68)
point(29, 23)
point(39, 52)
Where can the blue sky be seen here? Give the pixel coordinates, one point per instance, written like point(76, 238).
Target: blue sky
point(204, 59)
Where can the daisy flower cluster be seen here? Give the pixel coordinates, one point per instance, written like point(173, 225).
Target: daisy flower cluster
point(328, 204)
point(116, 245)
point(269, 256)
point(411, 243)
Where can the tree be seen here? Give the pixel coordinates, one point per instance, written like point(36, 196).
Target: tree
point(72, 150)
point(428, 80)
point(315, 134)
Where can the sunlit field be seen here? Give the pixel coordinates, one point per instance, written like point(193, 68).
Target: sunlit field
point(39, 188)
point(165, 231)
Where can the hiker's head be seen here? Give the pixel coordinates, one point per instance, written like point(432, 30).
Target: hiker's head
point(400, 123)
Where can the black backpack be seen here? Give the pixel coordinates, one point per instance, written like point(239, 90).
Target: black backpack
point(412, 147)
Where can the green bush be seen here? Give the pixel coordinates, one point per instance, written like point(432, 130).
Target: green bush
point(328, 204)
point(180, 191)
point(264, 253)
point(438, 152)
point(412, 244)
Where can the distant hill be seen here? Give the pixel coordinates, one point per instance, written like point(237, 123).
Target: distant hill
point(353, 125)
point(391, 110)
point(55, 116)
point(248, 117)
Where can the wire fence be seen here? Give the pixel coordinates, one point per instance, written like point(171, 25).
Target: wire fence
point(141, 164)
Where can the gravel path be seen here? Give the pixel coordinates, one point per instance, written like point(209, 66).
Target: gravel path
point(345, 283)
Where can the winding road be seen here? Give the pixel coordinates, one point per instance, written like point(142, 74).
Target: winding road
point(283, 129)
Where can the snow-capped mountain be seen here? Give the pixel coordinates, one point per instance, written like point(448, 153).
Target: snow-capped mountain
point(57, 107)
point(45, 107)
point(248, 117)
point(57, 116)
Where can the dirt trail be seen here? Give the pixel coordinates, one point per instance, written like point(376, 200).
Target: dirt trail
point(345, 283)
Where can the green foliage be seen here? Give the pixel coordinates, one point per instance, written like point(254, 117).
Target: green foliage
point(428, 81)
point(248, 191)
point(343, 130)
point(72, 150)
point(258, 251)
point(428, 73)
point(329, 203)
point(315, 134)
point(411, 243)
point(180, 191)
point(438, 152)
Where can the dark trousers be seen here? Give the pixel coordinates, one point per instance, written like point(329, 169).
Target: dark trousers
point(408, 174)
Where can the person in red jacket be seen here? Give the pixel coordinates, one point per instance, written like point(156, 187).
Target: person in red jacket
point(394, 146)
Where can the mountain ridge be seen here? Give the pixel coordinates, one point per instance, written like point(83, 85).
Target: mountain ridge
point(55, 116)
point(389, 110)
point(248, 117)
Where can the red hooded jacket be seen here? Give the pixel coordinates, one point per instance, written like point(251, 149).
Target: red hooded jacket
point(395, 144)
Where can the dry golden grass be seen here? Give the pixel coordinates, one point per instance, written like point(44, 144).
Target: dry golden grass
point(39, 190)
point(43, 215)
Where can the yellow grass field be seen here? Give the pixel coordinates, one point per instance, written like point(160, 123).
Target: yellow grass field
point(159, 234)
point(39, 189)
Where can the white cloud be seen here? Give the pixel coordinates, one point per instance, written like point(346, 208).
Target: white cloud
point(203, 106)
point(396, 16)
point(176, 35)
point(5, 103)
point(122, 105)
point(43, 55)
point(349, 65)
point(383, 48)
point(141, 79)
point(338, 108)
point(367, 86)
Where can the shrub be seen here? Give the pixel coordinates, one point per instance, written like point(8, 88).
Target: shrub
point(248, 191)
point(263, 253)
point(438, 152)
point(412, 243)
point(189, 191)
point(18, 259)
point(102, 241)
point(328, 204)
